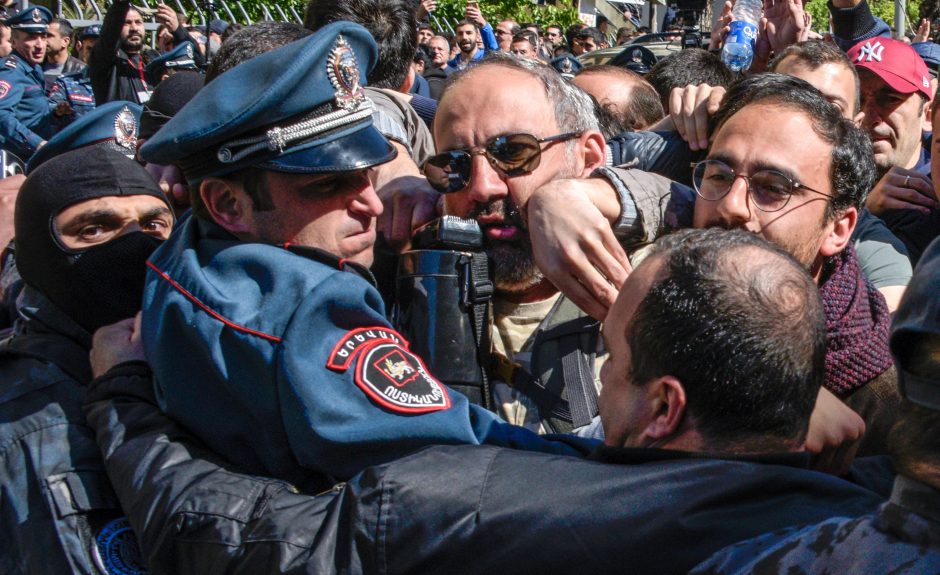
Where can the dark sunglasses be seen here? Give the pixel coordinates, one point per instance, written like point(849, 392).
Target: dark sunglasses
point(511, 155)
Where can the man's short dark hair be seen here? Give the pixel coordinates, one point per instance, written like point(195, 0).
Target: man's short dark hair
point(466, 22)
point(572, 32)
point(643, 107)
point(252, 41)
point(739, 323)
point(526, 36)
point(421, 55)
point(392, 24)
point(852, 173)
point(594, 34)
point(65, 27)
point(688, 68)
point(816, 53)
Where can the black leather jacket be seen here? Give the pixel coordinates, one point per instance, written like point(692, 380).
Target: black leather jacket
point(446, 509)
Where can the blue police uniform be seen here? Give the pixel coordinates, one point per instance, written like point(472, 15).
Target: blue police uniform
point(179, 58)
point(25, 111)
point(76, 91)
point(280, 357)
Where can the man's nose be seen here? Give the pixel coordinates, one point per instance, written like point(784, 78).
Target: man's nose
point(486, 184)
point(735, 206)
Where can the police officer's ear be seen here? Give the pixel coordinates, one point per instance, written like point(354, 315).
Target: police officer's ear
point(228, 205)
point(592, 155)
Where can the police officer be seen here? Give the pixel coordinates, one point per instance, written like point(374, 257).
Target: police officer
point(176, 60)
point(261, 308)
point(25, 113)
point(85, 222)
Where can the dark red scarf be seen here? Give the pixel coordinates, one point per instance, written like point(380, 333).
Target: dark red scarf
point(857, 322)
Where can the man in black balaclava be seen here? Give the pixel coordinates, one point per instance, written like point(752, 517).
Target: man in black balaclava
point(85, 223)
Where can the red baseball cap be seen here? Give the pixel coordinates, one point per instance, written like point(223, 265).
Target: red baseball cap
point(894, 62)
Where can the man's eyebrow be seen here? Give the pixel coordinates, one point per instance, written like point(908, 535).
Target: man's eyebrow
point(756, 166)
point(155, 212)
point(101, 214)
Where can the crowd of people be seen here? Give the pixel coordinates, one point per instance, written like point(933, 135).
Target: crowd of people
point(704, 306)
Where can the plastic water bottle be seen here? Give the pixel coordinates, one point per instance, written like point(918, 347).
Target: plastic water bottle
point(738, 51)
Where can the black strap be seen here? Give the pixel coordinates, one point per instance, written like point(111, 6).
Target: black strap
point(579, 382)
point(479, 293)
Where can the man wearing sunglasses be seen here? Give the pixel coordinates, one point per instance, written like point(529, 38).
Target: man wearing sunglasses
point(262, 307)
point(799, 181)
point(496, 148)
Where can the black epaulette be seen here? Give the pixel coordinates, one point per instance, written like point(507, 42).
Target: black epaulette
point(10, 62)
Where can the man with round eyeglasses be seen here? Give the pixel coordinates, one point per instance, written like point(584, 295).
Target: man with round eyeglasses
point(799, 181)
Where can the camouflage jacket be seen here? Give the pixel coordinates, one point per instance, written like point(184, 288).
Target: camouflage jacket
point(903, 536)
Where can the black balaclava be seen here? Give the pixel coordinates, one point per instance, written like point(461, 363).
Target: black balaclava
point(95, 286)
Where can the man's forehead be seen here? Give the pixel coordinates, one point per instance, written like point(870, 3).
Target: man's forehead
point(471, 112)
point(632, 293)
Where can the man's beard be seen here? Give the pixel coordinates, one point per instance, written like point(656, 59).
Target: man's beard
point(512, 262)
point(467, 47)
point(131, 46)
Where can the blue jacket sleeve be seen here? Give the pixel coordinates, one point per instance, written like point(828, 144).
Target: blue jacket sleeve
point(489, 39)
point(13, 133)
point(352, 395)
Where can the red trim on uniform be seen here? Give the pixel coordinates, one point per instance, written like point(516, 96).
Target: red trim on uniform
point(209, 311)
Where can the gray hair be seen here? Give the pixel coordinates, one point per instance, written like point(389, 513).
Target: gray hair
point(574, 110)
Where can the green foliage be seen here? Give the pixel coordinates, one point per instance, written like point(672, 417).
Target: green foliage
point(883, 9)
point(562, 14)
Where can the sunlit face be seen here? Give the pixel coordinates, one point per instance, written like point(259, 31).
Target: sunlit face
point(469, 115)
point(587, 44)
point(32, 47)
point(6, 45)
point(894, 121)
point(425, 35)
point(440, 51)
point(836, 82)
point(553, 35)
point(334, 212)
point(132, 32)
point(55, 42)
point(523, 49)
point(622, 404)
point(503, 33)
point(772, 136)
point(467, 38)
point(100, 220)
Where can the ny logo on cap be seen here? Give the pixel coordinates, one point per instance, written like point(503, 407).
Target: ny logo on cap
point(870, 52)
